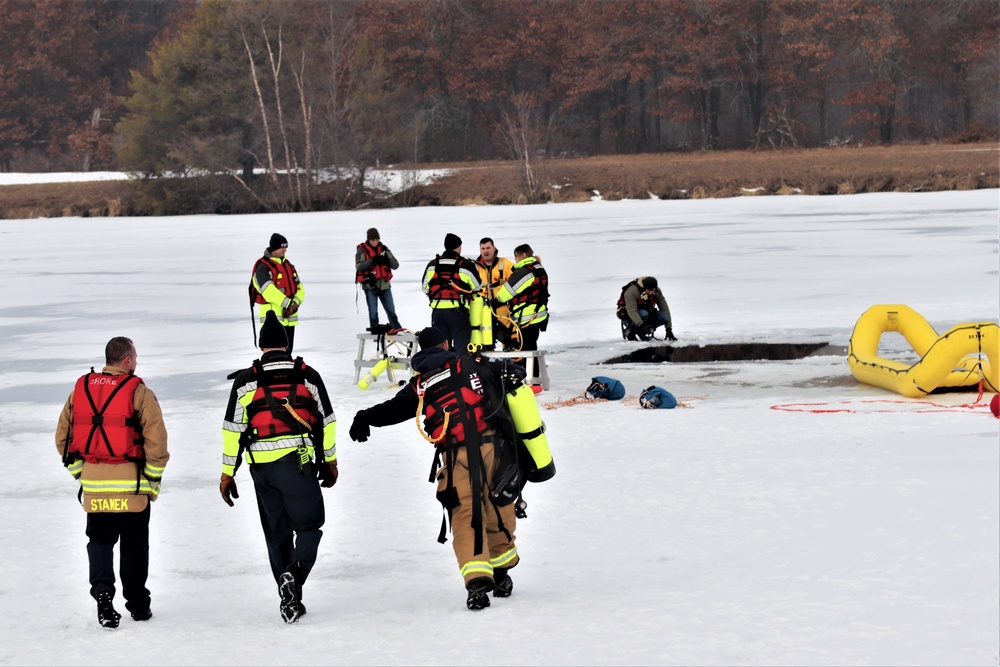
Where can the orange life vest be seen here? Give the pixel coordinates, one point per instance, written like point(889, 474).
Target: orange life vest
point(283, 275)
point(267, 415)
point(456, 388)
point(378, 271)
point(106, 427)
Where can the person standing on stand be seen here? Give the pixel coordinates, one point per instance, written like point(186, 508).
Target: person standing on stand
point(112, 439)
point(279, 416)
point(451, 282)
point(374, 264)
point(275, 287)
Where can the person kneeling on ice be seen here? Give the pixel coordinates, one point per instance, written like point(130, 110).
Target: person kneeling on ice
point(642, 308)
point(465, 403)
point(279, 415)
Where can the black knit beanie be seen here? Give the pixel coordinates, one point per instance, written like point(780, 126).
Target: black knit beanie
point(649, 282)
point(452, 242)
point(277, 241)
point(272, 333)
point(430, 337)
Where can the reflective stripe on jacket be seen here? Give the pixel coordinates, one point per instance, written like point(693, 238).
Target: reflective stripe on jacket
point(527, 292)
point(277, 285)
point(121, 480)
point(450, 280)
point(247, 407)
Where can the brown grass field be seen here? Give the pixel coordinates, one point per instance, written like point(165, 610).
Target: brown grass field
point(828, 171)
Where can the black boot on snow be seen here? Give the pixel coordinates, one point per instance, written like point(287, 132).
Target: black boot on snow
point(106, 614)
point(142, 615)
point(479, 593)
point(291, 597)
point(503, 585)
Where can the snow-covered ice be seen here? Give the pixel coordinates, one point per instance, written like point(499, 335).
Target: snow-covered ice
point(724, 533)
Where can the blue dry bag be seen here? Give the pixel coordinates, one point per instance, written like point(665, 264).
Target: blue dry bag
point(657, 397)
point(605, 387)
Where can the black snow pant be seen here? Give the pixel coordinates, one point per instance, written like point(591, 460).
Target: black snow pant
point(291, 513)
point(290, 334)
point(104, 530)
point(454, 324)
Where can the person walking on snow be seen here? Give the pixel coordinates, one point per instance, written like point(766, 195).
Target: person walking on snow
point(450, 392)
point(275, 287)
point(374, 264)
point(112, 438)
point(280, 418)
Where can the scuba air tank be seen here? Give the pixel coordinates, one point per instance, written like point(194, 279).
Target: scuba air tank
point(531, 430)
point(372, 375)
point(475, 322)
point(486, 325)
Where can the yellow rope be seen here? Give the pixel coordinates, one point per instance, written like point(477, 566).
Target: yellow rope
point(420, 428)
point(295, 415)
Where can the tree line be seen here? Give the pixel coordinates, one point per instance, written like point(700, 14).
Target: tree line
point(271, 97)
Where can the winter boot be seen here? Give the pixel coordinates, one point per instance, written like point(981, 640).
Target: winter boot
point(291, 597)
point(143, 615)
point(106, 614)
point(479, 593)
point(503, 585)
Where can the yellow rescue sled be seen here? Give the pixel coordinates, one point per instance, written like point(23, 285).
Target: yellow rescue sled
point(960, 358)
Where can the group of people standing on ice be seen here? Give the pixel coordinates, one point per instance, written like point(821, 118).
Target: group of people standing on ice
point(478, 413)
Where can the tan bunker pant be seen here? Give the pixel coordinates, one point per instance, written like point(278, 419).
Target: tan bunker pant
point(498, 522)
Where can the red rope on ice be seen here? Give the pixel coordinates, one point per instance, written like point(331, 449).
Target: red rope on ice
point(924, 406)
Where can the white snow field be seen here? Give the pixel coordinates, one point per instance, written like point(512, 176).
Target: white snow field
point(726, 532)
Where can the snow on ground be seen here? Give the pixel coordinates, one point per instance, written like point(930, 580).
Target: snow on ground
point(724, 533)
point(386, 180)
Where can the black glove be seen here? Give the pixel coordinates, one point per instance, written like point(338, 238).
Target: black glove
point(646, 332)
point(227, 487)
point(327, 474)
point(493, 303)
point(670, 334)
point(291, 310)
point(360, 429)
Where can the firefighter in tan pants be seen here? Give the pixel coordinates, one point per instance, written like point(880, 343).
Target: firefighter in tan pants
point(465, 468)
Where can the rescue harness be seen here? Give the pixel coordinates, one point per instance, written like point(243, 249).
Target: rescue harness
point(282, 405)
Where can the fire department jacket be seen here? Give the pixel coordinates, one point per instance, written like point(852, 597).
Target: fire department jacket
point(525, 293)
point(463, 285)
point(121, 487)
point(267, 284)
point(267, 450)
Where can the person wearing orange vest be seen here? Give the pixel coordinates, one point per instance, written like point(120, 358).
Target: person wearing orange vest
point(275, 287)
point(279, 418)
point(374, 264)
point(494, 271)
point(112, 438)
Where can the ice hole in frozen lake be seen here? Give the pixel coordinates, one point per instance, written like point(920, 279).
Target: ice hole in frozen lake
point(728, 352)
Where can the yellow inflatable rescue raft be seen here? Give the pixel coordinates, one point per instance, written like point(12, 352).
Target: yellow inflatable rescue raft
point(959, 358)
